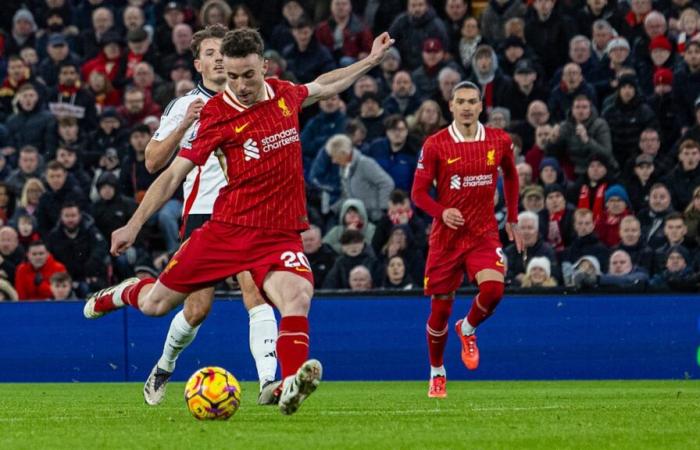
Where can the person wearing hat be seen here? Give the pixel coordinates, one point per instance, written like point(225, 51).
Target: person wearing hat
point(425, 77)
point(372, 115)
point(627, 117)
point(354, 251)
point(109, 134)
point(520, 91)
point(494, 17)
point(306, 58)
point(534, 246)
point(512, 50)
point(560, 216)
point(23, 32)
point(589, 190)
point(678, 274)
point(173, 15)
point(164, 92)
point(139, 49)
point(108, 59)
point(662, 103)
point(639, 176)
point(538, 274)
point(58, 51)
point(615, 59)
point(550, 172)
point(488, 77)
point(617, 207)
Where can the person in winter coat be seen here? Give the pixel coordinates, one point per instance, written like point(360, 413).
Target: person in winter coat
point(355, 252)
point(535, 246)
point(589, 190)
point(32, 279)
point(685, 177)
point(31, 124)
point(396, 274)
point(344, 34)
point(495, 16)
point(397, 152)
point(585, 243)
point(361, 177)
point(652, 217)
point(329, 121)
point(538, 274)
point(61, 189)
point(321, 256)
point(678, 274)
point(631, 242)
point(581, 135)
point(622, 272)
point(617, 207)
point(353, 216)
point(691, 215)
point(627, 118)
point(411, 28)
point(306, 58)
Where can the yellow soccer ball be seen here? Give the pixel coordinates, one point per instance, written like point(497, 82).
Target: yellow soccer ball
point(212, 393)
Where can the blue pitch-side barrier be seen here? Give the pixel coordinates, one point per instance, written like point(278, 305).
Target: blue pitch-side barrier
point(372, 338)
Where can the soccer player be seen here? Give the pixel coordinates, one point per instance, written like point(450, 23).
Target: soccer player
point(257, 217)
point(201, 187)
point(463, 159)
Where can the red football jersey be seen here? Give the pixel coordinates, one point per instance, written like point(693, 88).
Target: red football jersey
point(466, 174)
point(262, 148)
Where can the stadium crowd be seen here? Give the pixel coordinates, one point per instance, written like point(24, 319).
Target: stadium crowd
point(601, 99)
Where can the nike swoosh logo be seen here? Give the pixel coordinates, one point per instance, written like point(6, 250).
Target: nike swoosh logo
point(301, 269)
point(242, 127)
point(453, 160)
point(300, 342)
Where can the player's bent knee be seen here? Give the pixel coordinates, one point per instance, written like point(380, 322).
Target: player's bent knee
point(196, 312)
point(297, 302)
point(492, 290)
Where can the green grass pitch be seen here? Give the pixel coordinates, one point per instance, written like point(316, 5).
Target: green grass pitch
point(367, 415)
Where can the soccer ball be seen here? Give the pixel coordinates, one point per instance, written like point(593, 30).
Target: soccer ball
point(212, 393)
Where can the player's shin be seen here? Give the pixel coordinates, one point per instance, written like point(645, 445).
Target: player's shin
point(130, 295)
point(292, 344)
point(263, 340)
point(437, 329)
point(180, 335)
point(483, 305)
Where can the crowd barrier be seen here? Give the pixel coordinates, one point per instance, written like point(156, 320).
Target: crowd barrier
point(531, 337)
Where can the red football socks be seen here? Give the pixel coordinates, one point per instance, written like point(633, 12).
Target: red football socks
point(436, 329)
point(484, 304)
point(292, 344)
point(130, 296)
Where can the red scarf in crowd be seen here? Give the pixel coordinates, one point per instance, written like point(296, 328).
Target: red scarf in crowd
point(68, 91)
point(554, 235)
point(584, 200)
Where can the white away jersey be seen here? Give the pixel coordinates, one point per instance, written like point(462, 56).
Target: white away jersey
point(201, 187)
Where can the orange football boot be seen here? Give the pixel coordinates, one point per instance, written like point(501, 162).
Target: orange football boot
point(470, 352)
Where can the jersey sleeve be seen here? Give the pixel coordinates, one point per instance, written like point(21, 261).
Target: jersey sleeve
point(300, 92)
point(427, 162)
point(511, 186)
point(172, 117)
point(205, 138)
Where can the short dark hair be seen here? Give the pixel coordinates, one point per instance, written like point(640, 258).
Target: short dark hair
point(60, 277)
point(37, 243)
point(68, 63)
point(674, 216)
point(241, 43)
point(580, 97)
point(659, 185)
point(398, 196)
point(70, 204)
point(29, 149)
point(140, 128)
point(215, 31)
point(55, 165)
point(692, 44)
point(351, 237)
point(393, 120)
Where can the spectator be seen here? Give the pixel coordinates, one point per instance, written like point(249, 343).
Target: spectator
point(329, 121)
point(524, 176)
point(630, 241)
point(614, 62)
point(110, 134)
point(401, 242)
point(678, 274)
point(67, 156)
point(61, 189)
point(137, 107)
point(173, 15)
point(7, 203)
point(622, 272)
point(363, 85)
point(396, 275)
point(447, 80)
point(686, 86)
point(388, 68)
point(360, 279)
point(91, 39)
point(537, 115)
point(372, 115)
point(215, 12)
point(589, 191)
point(28, 166)
point(133, 18)
point(355, 252)
point(470, 39)
point(454, 15)
point(601, 35)
point(585, 243)
point(617, 207)
point(519, 93)
point(533, 201)
point(26, 230)
point(538, 274)
point(69, 135)
point(61, 285)
point(685, 177)
point(691, 215)
point(321, 256)
point(396, 153)
point(548, 32)
point(411, 28)
point(58, 53)
point(32, 280)
point(572, 87)
point(487, 75)
point(653, 216)
point(628, 117)
point(585, 273)
point(112, 210)
point(649, 145)
point(427, 120)
point(404, 98)
point(281, 36)
point(399, 212)
point(654, 27)
point(22, 33)
point(11, 253)
point(70, 99)
point(17, 74)
point(242, 17)
point(496, 14)
point(102, 89)
point(31, 125)
point(180, 39)
point(550, 173)
point(344, 34)
point(361, 177)
point(77, 243)
point(661, 57)
point(675, 233)
point(306, 58)
point(29, 200)
point(353, 216)
point(528, 222)
point(640, 180)
point(7, 292)
point(433, 60)
point(138, 51)
point(662, 103)
point(107, 61)
point(560, 232)
point(164, 92)
point(633, 25)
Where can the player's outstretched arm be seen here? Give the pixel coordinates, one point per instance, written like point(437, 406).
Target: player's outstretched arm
point(157, 194)
point(336, 81)
point(158, 153)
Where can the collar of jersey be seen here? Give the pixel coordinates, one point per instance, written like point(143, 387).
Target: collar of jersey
point(457, 136)
point(231, 99)
point(205, 90)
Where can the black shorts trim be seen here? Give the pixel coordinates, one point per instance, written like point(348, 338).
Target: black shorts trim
point(192, 222)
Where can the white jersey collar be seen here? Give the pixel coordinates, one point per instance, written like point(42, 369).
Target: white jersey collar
point(458, 137)
point(231, 99)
